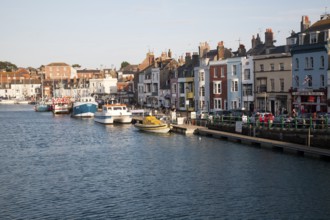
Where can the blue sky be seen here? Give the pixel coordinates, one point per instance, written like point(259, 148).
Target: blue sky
point(103, 33)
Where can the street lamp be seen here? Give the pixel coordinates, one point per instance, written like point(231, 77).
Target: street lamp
point(265, 100)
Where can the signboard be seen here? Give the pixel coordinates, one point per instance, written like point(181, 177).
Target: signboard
point(193, 115)
point(238, 127)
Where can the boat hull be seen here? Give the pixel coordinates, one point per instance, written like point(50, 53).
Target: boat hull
point(7, 101)
point(42, 108)
point(103, 119)
point(163, 128)
point(61, 109)
point(83, 109)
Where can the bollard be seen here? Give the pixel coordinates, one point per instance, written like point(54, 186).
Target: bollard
point(326, 121)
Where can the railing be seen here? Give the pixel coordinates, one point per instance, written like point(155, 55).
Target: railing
point(295, 123)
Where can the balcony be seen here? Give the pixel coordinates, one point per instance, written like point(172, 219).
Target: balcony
point(261, 89)
point(190, 95)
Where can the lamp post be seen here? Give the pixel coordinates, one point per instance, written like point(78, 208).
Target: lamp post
point(265, 100)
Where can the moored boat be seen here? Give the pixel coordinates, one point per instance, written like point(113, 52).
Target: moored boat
point(7, 101)
point(42, 107)
point(84, 107)
point(61, 105)
point(112, 113)
point(152, 124)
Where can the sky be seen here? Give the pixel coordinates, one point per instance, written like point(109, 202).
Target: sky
point(104, 33)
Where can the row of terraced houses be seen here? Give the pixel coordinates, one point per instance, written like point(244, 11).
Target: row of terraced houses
point(264, 78)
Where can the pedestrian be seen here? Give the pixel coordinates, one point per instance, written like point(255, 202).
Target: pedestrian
point(314, 118)
point(294, 113)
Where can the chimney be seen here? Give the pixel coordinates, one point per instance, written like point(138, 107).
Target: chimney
point(204, 48)
point(169, 54)
point(151, 58)
point(220, 50)
point(241, 50)
point(253, 42)
point(305, 23)
point(269, 38)
point(195, 59)
point(188, 58)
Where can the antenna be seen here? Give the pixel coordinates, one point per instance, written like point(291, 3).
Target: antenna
point(239, 41)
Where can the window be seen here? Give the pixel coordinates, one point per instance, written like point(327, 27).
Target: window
point(297, 63)
point(247, 75)
point(272, 85)
point(234, 70)
point(310, 79)
point(234, 104)
point(326, 35)
point(322, 62)
point(201, 76)
point(202, 91)
point(181, 88)
point(222, 71)
point(261, 67)
point(247, 90)
point(217, 103)
point(234, 86)
point(216, 73)
point(312, 62)
point(313, 38)
point(297, 80)
point(281, 66)
point(282, 85)
point(322, 82)
point(217, 88)
point(272, 68)
point(174, 88)
point(306, 63)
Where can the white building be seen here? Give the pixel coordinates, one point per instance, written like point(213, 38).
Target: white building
point(104, 86)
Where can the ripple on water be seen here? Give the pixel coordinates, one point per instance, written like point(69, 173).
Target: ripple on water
point(58, 167)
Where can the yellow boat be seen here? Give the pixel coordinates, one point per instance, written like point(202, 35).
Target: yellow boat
point(152, 124)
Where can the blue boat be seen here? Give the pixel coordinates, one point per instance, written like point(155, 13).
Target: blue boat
point(42, 107)
point(84, 107)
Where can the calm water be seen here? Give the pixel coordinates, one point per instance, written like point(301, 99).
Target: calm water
point(57, 167)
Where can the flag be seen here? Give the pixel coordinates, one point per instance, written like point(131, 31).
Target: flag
point(307, 78)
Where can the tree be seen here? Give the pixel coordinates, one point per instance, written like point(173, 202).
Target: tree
point(124, 64)
point(76, 65)
point(8, 66)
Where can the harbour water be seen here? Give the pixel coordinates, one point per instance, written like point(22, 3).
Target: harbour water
point(58, 167)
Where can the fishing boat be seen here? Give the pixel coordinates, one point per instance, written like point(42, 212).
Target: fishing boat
point(84, 107)
point(112, 113)
point(61, 105)
point(152, 124)
point(42, 106)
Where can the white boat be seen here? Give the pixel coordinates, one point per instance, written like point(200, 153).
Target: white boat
point(152, 124)
point(112, 113)
point(7, 101)
point(84, 107)
point(61, 105)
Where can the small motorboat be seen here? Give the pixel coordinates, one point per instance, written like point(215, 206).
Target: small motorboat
point(112, 113)
point(152, 124)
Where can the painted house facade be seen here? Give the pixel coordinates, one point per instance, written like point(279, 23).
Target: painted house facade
point(310, 66)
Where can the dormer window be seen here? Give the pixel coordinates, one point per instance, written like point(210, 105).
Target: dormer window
point(326, 35)
point(313, 38)
point(301, 39)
